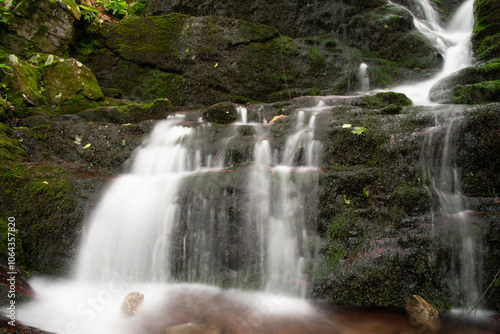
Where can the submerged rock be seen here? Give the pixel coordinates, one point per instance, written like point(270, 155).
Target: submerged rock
point(131, 302)
point(190, 328)
point(422, 315)
point(222, 113)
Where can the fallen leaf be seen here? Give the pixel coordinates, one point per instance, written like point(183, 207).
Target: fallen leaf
point(86, 146)
point(345, 126)
point(276, 118)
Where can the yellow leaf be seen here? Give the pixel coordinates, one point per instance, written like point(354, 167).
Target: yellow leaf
point(86, 146)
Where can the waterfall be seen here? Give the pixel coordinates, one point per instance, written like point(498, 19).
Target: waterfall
point(363, 78)
point(452, 221)
point(453, 43)
point(278, 204)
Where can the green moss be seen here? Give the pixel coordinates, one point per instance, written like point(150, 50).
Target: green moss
point(381, 100)
point(5, 235)
point(42, 132)
point(413, 200)
point(316, 58)
point(151, 37)
point(486, 34)
point(337, 236)
point(483, 92)
point(165, 85)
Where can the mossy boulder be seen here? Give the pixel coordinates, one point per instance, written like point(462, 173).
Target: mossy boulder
point(474, 84)
point(486, 34)
point(68, 79)
point(48, 25)
point(128, 113)
point(386, 101)
point(221, 113)
point(23, 81)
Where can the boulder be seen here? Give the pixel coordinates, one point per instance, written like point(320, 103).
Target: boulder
point(47, 24)
point(68, 78)
point(190, 328)
point(222, 113)
point(23, 83)
point(131, 303)
point(422, 315)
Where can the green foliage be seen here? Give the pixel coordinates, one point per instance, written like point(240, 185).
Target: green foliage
point(4, 13)
point(118, 8)
point(358, 130)
point(138, 8)
point(316, 58)
point(89, 14)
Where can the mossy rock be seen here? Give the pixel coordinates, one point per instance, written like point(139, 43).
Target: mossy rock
point(469, 79)
point(478, 151)
point(23, 82)
point(221, 113)
point(129, 113)
point(384, 100)
point(486, 34)
point(483, 92)
point(47, 24)
point(68, 78)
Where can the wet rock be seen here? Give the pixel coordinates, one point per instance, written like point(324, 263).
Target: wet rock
point(46, 24)
point(422, 315)
point(131, 302)
point(190, 328)
point(222, 113)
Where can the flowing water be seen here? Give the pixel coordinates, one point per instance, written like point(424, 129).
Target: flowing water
point(452, 221)
point(453, 43)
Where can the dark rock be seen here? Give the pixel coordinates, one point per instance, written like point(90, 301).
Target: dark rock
point(222, 113)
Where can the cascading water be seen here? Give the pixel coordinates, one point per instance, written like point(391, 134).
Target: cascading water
point(278, 201)
point(452, 221)
point(363, 78)
point(453, 43)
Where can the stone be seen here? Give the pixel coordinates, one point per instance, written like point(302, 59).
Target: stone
point(66, 78)
point(222, 113)
point(131, 302)
point(190, 328)
point(422, 315)
point(46, 24)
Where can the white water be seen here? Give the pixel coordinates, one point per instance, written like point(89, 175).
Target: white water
point(453, 42)
point(363, 78)
point(278, 204)
point(452, 221)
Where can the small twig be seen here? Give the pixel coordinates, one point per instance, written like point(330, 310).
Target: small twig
point(477, 303)
point(216, 154)
point(284, 73)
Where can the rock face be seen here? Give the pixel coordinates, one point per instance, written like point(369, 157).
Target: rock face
point(422, 315)
point(486, 35)
point(131, 302)
point(47, 24)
